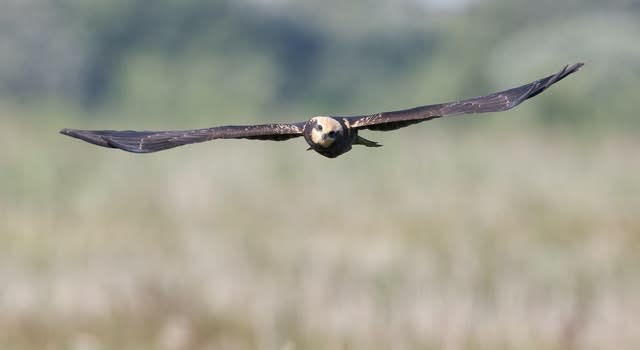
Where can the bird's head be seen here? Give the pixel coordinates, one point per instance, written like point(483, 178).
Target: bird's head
point(324, 131)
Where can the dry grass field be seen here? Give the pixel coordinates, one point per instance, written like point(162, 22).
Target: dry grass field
point(455, 235)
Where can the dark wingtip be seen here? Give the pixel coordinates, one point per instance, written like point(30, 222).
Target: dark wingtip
point(130, 141)
point(568, 69)
point(573, 67)
point(68, 132)
point(576, 66)
point(543, 84)
point(87, 136)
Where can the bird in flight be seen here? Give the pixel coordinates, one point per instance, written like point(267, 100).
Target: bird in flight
point(330, 136)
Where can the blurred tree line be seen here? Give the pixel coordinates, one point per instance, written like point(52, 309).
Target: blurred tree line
point(253, 57)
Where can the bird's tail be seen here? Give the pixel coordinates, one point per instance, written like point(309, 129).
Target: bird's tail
point(362, 141)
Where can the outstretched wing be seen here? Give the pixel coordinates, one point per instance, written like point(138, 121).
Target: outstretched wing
point(496, 102)
point(153, 141)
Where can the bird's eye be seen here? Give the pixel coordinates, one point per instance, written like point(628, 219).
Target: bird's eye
point(319, 127)
point(332, 133)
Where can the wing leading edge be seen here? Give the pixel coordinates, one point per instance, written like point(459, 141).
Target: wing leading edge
point(496, 102)
point(153, 141)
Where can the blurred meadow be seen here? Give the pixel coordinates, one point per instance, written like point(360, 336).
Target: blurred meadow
point(516, 230)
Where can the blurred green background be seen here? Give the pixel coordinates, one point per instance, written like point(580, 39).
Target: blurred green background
point(516, 230)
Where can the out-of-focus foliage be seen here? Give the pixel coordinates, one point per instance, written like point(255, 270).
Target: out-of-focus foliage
point(227, 59)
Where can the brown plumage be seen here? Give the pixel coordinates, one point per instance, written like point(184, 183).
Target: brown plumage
point(330, 136)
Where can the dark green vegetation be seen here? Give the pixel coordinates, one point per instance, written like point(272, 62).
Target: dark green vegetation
point(518, 230)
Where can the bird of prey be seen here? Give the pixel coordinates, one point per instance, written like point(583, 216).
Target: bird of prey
point(330, 136)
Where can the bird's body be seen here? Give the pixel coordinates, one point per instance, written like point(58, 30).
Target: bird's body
point(330, 136)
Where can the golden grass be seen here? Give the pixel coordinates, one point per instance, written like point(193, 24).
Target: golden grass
point(444, 238)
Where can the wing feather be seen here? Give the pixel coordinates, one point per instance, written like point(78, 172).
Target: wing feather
point(496, 102)
point(153, 141)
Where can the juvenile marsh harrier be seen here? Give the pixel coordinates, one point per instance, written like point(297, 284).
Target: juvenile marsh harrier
point(330, 136)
